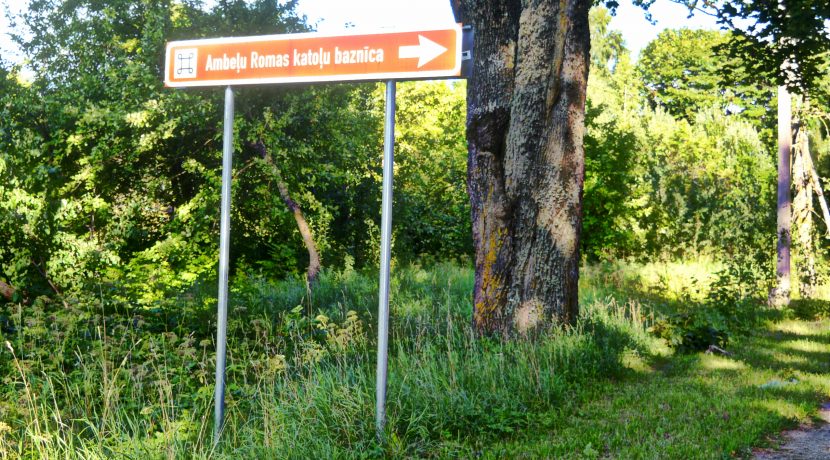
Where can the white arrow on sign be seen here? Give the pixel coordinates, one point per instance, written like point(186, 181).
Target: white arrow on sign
point(426, 50)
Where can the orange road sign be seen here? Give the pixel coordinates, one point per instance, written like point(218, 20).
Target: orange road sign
point(314, 57)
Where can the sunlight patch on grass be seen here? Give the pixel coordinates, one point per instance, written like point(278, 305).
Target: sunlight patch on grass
point(822, 291)
point(421, 276)
point(680, 277)
point(809, 329)
point(413, 307)
point(787, 358)
point(719, 363)
point(806, 346)
point(785, 409)
point(632, 360)
point(818, 381)
point(674, 281)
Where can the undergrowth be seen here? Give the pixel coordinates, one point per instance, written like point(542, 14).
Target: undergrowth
point(100, 379)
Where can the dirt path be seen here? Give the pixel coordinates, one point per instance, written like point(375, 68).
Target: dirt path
point(805, 443)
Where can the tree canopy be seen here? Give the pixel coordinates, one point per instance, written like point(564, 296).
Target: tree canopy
point(773, 42)
point(114, 179)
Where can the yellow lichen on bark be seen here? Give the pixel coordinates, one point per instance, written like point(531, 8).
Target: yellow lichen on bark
point(487, 304)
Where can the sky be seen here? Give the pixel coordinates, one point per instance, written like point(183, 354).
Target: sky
point(335, 15)
point(8, 52)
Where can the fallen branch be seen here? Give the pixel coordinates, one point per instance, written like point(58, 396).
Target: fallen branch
point(716, 349)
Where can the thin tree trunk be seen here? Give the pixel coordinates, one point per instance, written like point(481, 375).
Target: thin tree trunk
point(780, 296)
point(803, 215)
point(525, 124)
point(814, 179)
point(314, 264)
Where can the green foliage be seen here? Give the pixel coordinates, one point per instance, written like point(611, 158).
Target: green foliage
point(693, 331)
point(431, 203)
point(771, 43)
point(113, 179)
point(107, 380)
point(607, 46)
point(732, 308)
point(682, 73)
point(710, 185)
point(679, 71)
point(94, 150)
point(686, 180)
point(126, 381)
point(611, 145)
point(810, 309)
point(787, 45)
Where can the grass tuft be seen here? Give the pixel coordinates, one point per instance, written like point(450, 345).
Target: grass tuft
point(105, 380)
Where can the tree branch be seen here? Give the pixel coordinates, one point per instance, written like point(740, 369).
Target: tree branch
point(314, 264)
point(51, 284)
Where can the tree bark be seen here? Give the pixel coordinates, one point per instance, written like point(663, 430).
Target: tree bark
point(780, 295)
point(803, 215)
point(525, 124)
point(314, 264)
point(822, 201)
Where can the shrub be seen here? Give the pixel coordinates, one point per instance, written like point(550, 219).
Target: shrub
point(810, 309)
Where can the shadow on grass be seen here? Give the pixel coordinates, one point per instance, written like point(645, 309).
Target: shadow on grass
point(697, 405)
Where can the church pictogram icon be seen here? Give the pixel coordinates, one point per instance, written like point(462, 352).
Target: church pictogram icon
point(185, 63)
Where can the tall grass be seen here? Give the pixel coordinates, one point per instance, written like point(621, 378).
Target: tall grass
point(104, 381)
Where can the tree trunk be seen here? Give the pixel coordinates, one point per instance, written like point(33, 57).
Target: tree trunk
point(525, 124)
point(803, 215)
point(780, 296)
point(822, 202)
point(314, 265)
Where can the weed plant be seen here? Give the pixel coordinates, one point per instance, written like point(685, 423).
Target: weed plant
point(102, 380)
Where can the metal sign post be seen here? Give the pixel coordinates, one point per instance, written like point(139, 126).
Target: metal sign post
point(311, 58)
point(385, 258)
point(224, 254)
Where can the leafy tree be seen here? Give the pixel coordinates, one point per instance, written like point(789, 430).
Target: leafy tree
point(114, 180)
point(130, 185)
point(610, 182)
point(682, 72)
point(711, 187)
point(606, 45)
point(95, 125)
point(768, 36)
point(432, 210)
point(671, 185)
point(791, 35)
point(612, 145)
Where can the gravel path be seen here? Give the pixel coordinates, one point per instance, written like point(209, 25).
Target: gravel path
point(806, 443)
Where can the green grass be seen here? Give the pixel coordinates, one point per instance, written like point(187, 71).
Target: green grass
point(102, 380)
point(695, 406)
